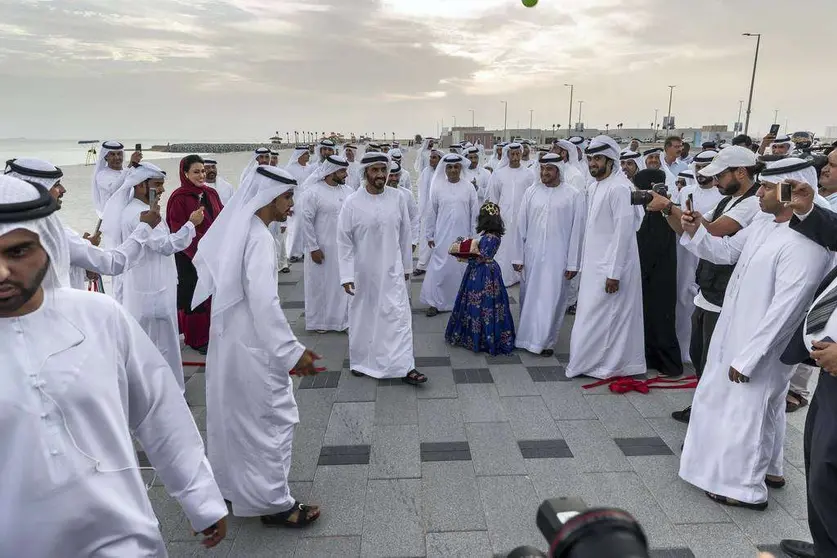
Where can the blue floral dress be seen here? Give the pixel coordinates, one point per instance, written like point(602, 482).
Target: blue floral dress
point(481, 319)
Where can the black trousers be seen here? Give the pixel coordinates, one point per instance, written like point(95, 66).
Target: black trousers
point(821, 466)
point(703, 325)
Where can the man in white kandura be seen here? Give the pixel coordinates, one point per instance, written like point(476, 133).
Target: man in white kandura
point(452, 214)
point(80, 381)
point(404, 180)
point(608, 335)
point(425, 181)
point(548, 243)
point(213, 180)
point(734, 444)
point(300, 169)
point(508, 183)
point(478, 176)
point(326, 303)
point(374, 245)
point(261, 156)
point(251, 412)
point(394, 181)
point(85, 256)
point(108, 173)
point(149, 290)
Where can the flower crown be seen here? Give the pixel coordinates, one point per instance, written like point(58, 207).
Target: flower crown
point(490, 208)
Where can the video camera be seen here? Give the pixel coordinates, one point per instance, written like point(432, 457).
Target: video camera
point(644, 197)
point(573, 531)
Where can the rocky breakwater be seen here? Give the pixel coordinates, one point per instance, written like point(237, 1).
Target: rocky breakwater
point(212, 147)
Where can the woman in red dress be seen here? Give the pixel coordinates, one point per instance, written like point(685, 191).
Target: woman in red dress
point(189, 196)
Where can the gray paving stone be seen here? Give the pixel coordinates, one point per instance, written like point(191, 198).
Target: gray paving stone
point(626, 491)
point(193, 549)
point(544, 449)
point(480, 403)
point(502, 359)
point(793, 496)
point(339, 492)
point(196, 391)
point(439, 383)
point(445, 451)
point(305, 453)
point(255, 540)
point(315, 407)
point(450, 497)
point(633, 447)
point(396, 405)
point(440, 420)
point(395, 453)
point(320, 381)
point(513, 380)
point(350, 424)
point(429, 345)
point(593, 448)
point(344, 455)
point(660, 403)
point(671, 553)
point(504, 500)
point(199, 414)
point(769, 526)
point(554, 478)
point(463, 358)
point(393, 510)
point(472, 376)
point(432, 361)
point(681, 502)
point(673, 432)
point(619, 416)
point(565, 401)
point(467, 543)
point(716, 540)
point(794, 451)
point(494, 449)
point(328, 546)
point(354, 389)
point(541, 374)
point(529, 418)
point(293, 304)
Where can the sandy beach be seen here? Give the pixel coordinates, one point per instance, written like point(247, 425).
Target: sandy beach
point(77, 210)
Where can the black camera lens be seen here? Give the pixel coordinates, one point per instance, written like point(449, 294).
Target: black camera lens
point(600, 533)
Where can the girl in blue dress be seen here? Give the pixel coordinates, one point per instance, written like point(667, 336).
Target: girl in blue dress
point(481, 319)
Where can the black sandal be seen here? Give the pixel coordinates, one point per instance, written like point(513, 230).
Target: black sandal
point(791, 406)
point(724, 501)
point(285, 270)
point(547, 352)
point(357, 374)
point(774, 483)
point(414, 378)
point(305, 516)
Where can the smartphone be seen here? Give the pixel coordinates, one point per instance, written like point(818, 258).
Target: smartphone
point(774, 129)
point(785, 192)
point(689, 200)
point(138, 147)
point(152, 196)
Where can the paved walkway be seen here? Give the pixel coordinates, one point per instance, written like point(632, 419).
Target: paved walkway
point(459, 466)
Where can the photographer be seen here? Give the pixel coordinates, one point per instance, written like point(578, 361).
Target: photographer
point(734, 171)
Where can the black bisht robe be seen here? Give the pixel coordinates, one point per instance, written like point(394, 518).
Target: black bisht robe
point(657, 244)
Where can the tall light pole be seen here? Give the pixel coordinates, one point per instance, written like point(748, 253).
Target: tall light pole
point(753, 80)
point(454, 121)
point(505, 118)
point(531, 114)
point(670, 95)
point(656, 112)
point(738, 122)
point(570, 120)
point(580, 121)
point(472, 118)
point(775, 116)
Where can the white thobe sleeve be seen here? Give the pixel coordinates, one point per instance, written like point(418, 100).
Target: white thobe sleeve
point(430, 220)
point(346, 244)
point(262, 297)
point(160, 419)
point(521, 231)
point(405, 237)
point(624, 228)
point(574, 250)
point(170, 243)
point(718, 250)
point(108, 262)
point(415, 219)
point(423, 192)
point(494, 186)
point(309, 214)
point(795, 281)
point(474, 205)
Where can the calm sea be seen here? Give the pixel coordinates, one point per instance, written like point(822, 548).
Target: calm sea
point(69, 152)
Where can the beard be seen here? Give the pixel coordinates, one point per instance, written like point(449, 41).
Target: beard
point(730, 189)
point(703, 181)
point(210, 177)
point(378, 183)
point(339, 181)
point(27, 291)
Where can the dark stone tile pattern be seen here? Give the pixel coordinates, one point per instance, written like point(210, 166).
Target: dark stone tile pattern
point(344, 455)
point(293, 305)
point(547, 374)
point(671, 553)
point(322, 380)
point(472, 376)
point(634, 447)
point(445, 451)
point(544, 449)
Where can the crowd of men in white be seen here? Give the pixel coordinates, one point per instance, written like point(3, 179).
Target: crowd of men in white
point(88, 372)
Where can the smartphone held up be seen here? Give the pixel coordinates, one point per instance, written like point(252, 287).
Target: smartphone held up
point(785, 192)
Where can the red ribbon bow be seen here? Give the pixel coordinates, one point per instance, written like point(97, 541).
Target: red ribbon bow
point(626, 384)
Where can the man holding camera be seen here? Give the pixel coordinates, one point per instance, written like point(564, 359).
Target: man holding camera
point(733, 170)
point(734, 444)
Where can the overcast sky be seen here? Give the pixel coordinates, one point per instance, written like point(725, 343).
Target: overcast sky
point(242, 69)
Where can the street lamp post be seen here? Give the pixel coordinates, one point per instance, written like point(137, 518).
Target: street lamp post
point(505, 119)
point(656, 112)
point(454, 121)
point(531, 114)
point(472, 118)
point(738, 122)
point(775, 116)
point(580, 120)
point(753, 79)
point(670, 96)
point(570, 120)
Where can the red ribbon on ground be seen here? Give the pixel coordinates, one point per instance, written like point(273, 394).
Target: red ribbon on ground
point(628, 383)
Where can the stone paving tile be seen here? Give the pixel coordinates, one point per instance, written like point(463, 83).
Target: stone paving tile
point(793, 496)
point(344, 455)
point(671, 431)
point(619, 417)
point(502, 359)
point(634, 447)
point(529, 418)
point(670, 553)
point(504, 499)
point(306, 451)
point(396, 405)
point(350, 423)
point(322, 380)
point(354, 389)
point(393, 513)
point(339, 492)
point(439, 383)
point(716, 540)
point(472, 376)
point(315, 407)
point(544, 449)
point(196, 390)
point(254, 540)
point(467, 543)
point(565, 401)
point(432, 452)
point(794, 453)
point(769, 526)
point(440, 420)
point(450, 497)
point(494, 449)
point(480, 403)
point(328, 546)
point(513, 379)
point(395, 452)
point(593, 448)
